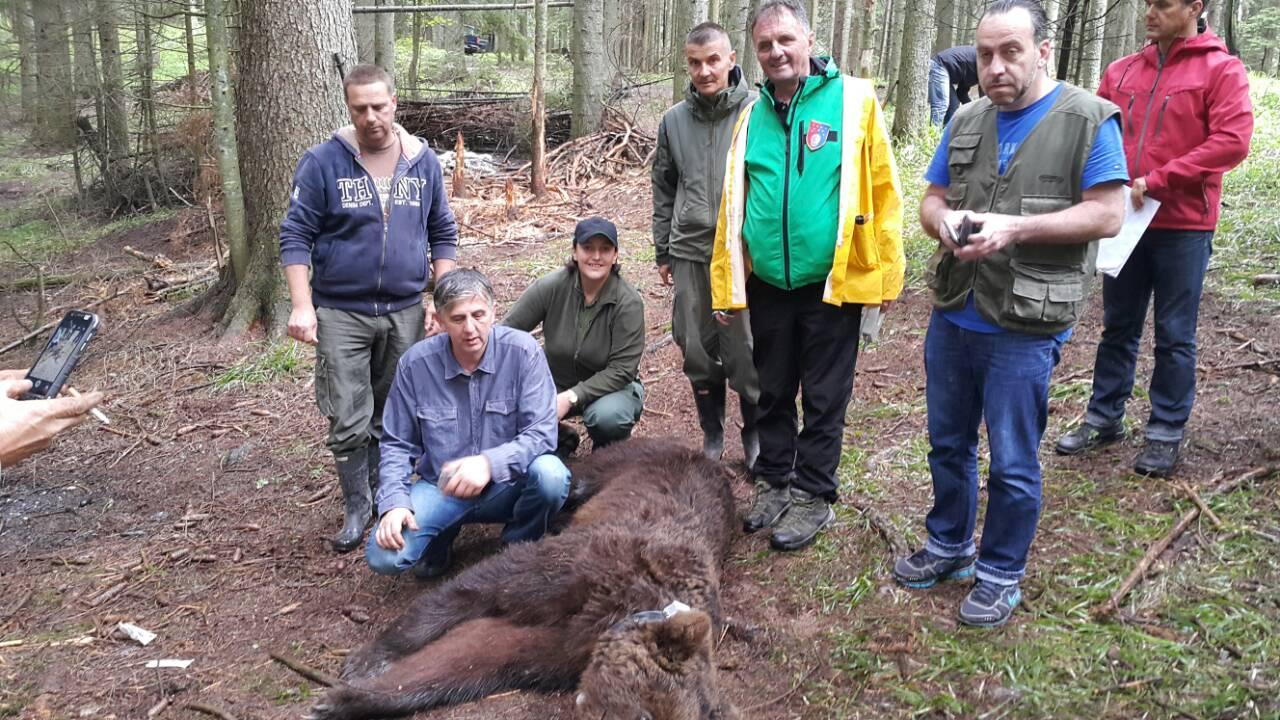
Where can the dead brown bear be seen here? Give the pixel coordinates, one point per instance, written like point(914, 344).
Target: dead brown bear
point(654, 527)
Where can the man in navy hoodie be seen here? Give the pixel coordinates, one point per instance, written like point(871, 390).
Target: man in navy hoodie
point(369, 219)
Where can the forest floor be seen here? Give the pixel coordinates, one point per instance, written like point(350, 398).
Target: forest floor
point(203, 513)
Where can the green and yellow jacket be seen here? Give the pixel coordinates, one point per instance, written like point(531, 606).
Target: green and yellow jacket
point(814, 196)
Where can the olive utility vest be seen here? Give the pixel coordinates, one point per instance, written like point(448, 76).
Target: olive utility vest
point(1027, 287)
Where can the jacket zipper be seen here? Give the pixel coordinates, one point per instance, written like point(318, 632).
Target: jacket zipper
point(786, 193)
point(386, 226)
point(1129, 112)
point(1160, 117)
point(1146, 116)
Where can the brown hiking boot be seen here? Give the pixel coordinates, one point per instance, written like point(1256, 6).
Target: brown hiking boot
point(805, 518)
point(768, 506)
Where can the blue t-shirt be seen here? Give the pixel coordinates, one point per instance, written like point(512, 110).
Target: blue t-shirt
point(1106, 163)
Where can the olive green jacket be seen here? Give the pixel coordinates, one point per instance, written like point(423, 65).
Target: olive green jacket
point(592, 349)
point(688, 170)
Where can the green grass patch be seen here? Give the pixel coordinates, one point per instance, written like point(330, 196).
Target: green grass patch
point(273, 361)
point(1247, 242)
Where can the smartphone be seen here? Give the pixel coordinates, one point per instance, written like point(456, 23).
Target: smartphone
point(960, 237)
point(60, 354)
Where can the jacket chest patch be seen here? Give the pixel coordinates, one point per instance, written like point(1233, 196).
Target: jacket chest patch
point(817, 135)
point(354, 192)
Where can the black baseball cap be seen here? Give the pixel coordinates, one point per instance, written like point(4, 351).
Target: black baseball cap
point(590, 227)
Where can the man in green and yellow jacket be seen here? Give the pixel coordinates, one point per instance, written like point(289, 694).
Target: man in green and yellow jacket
point(809, 232)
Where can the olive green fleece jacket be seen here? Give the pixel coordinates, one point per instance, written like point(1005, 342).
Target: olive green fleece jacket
point(688, 170)
point(592, 349)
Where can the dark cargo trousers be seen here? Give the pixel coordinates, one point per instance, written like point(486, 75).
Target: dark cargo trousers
point(356, 357)
point(802, 345)
point(712, 352)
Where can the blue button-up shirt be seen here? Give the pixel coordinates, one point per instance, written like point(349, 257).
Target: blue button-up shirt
point(437, 412)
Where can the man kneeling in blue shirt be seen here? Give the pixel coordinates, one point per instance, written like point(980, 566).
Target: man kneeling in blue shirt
point(472, 411)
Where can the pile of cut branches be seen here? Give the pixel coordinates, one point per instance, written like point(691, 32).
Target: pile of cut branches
point(487, 124)
point(617, 147)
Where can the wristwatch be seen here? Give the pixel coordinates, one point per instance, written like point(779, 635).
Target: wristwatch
point(573, 398)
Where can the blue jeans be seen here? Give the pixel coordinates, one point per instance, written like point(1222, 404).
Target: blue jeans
point(939, 92)
point(1004, 379)
point(525, 504)
point(1169, 264)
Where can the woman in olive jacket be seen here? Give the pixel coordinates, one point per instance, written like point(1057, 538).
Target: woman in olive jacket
point(593, 333)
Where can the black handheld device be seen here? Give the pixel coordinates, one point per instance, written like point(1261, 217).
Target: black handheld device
point(60, 354)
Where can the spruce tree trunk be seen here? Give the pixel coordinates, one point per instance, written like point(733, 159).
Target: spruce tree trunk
point(590, 84)
point(366, 36)
point(1071, 12)
point(894, 29)
point(226, 153)
point(417, 52)
point(55, 116)
point(945, 12)
point(538, 143)
point(188, 27)
point(614, 36)
point(840, 35)
point(24, 31)
point(80, 17)
point(1119, 29)
point(384, 54)
point(911, 111)
point(1217, 11)
point(115, 104)
point(866, 33)
point(678, 16)
point(146, 94)
point(1092, 55)
point(288, 97)
point(740, 33)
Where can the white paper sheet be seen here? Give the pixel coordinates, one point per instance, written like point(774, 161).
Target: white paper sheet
point(1113, 252)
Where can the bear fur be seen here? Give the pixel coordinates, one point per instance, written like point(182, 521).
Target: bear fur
point(654, 526)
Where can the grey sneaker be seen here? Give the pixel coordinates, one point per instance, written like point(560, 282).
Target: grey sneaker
point(989, 604)
point(923, 569)
point(769, 505)
point(806, 517)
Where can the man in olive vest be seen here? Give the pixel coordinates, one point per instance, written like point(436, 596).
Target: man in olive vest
point(688, 171)
point(1037, 169)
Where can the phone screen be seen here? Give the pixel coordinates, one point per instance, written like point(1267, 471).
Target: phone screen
point(59, 356)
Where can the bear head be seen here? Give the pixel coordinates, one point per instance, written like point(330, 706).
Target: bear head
point(654, 665)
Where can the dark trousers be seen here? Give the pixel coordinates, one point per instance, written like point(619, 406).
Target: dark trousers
point(1168, 265)
point(802, 345)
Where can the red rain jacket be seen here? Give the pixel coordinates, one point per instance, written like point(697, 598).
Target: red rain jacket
point(1187, 120)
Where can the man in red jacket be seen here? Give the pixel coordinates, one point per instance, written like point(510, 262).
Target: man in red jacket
point(1187, 120)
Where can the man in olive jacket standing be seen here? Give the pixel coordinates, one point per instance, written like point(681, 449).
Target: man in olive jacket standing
point(688, 172)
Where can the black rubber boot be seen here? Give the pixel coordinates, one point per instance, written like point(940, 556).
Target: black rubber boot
point(375, 459)
point(710, 404)
point(353, 477)
point(750, 437)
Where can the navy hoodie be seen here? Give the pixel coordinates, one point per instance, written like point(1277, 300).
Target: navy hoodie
point(335, 225)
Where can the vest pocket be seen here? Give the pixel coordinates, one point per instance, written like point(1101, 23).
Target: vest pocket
point(1044, 295)
point(936, 268)
point(1041, 204)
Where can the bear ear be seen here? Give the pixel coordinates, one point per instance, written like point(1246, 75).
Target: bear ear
point(683, 635)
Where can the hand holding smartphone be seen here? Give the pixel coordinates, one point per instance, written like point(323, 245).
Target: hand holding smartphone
point(59, 357)
point(960, 236)
point(49, 373)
